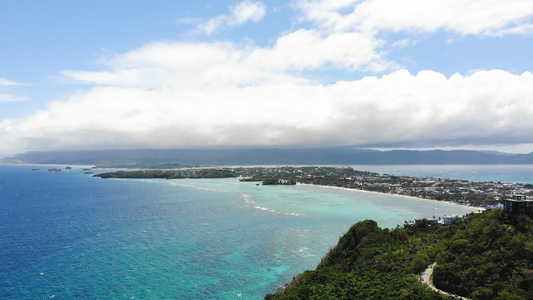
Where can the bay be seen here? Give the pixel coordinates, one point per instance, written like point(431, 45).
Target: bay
point(69, 235)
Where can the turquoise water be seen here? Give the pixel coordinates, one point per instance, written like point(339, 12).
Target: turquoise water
point(67, 235)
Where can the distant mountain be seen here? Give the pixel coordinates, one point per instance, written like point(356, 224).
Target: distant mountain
point(267, 156)
point(498, 153)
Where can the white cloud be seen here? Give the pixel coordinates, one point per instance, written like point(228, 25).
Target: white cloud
point(310, 49)
point(122, 77)
point(185, 66)
point(488, 107)
point(403, 43)
point(246, 11)
point(354, 32)
point(197, 65)
point(9, 97)
point(477, 17)
point(5, 97)
point(5, 82)
point(241, 13)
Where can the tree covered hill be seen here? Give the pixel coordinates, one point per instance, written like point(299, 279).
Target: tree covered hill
point(484, 256)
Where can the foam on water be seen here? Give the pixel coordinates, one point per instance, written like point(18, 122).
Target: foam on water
point(250, 203)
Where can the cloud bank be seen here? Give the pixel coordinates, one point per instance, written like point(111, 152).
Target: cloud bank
point(398, 109)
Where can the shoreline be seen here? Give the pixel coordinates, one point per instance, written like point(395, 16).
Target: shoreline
point(399, 195)
point(472, 195)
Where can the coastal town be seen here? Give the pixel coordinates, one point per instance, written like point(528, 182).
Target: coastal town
point(478, 194)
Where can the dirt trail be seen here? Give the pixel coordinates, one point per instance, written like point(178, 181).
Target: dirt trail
point(426, 278)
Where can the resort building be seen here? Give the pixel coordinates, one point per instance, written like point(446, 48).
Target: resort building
point(518, 204)
point(449, 219)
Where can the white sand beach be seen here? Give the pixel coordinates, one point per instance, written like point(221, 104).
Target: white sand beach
point(391, 194)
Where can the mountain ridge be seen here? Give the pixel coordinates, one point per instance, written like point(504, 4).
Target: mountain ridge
point(267, 156)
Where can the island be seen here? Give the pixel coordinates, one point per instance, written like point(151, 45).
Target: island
point(478, 194)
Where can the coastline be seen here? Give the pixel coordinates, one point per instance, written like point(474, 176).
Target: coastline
point(406, 196)
point(474, 195)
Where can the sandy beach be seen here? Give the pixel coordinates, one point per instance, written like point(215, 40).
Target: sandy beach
point(399, 195)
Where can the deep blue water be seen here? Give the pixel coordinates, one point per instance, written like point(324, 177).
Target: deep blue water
point(68, 235)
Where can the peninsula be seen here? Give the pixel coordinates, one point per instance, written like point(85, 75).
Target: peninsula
point(478, 194)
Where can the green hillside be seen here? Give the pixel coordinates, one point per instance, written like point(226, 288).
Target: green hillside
point(484, 256)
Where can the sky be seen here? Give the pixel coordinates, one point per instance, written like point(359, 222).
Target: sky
point(380, 74)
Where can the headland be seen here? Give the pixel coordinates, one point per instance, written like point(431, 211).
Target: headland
point(476, 194)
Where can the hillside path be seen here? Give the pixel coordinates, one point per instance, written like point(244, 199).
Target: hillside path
point(426, 278)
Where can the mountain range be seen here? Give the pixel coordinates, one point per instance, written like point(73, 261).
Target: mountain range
point(267, 156)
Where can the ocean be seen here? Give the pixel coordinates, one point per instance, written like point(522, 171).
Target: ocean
point(68, 235)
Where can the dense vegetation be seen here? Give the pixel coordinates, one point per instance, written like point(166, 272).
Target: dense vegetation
point(484, 256)
point(489, 256)
point(170, 174)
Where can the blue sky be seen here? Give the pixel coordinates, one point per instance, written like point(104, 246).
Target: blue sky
point(414, 74)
